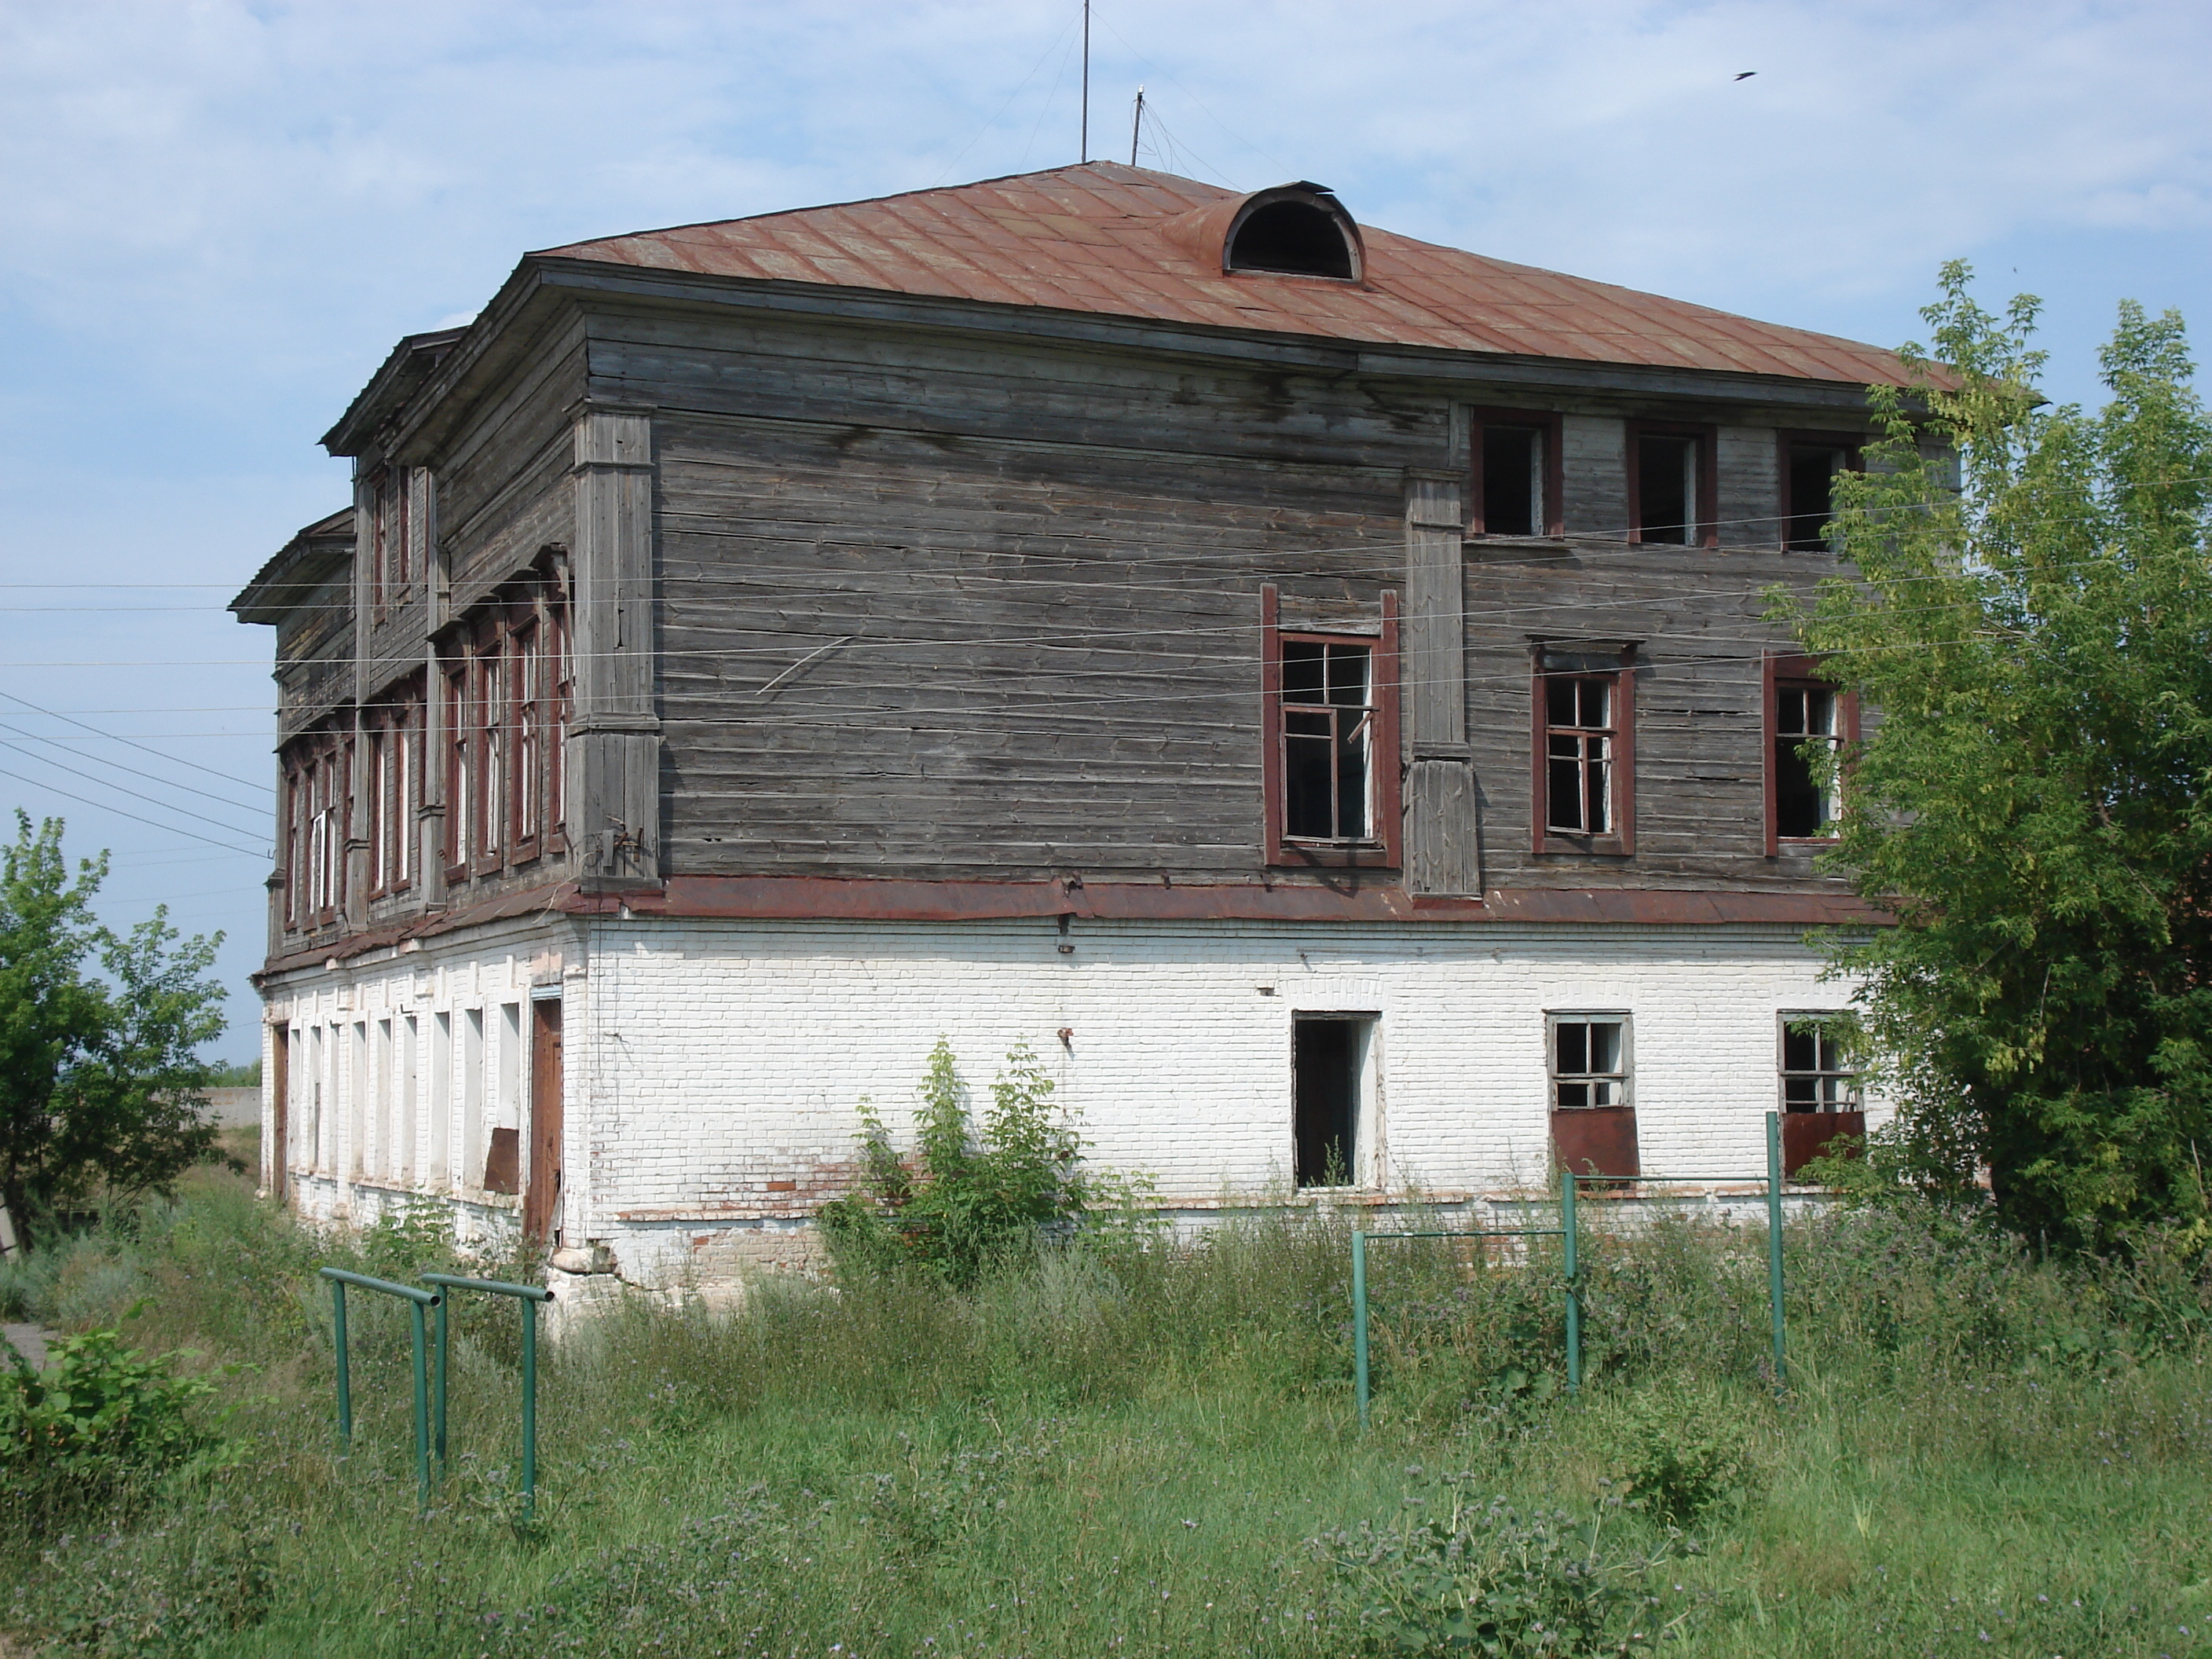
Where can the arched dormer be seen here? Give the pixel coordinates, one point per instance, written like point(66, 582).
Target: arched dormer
point(1296, 230)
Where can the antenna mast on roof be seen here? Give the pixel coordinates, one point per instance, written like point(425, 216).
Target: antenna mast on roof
point(1136, 126)
point(1086, 144)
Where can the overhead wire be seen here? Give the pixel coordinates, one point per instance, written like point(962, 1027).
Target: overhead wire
point(173, 829)
point(122, 789)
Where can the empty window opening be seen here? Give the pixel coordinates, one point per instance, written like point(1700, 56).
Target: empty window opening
point(1512, 481)
point(1820, 1063)
point(1297, 238)
point(1329, 1063)
point(1666, 489)
point(1589, 1062)
point(1812, 474)
point(1805, 737)
point(1328, 725)
point(1578, 742)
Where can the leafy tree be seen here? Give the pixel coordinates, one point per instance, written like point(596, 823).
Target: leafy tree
point(2033, 620)
point(965, 1202)
point(100, 1087)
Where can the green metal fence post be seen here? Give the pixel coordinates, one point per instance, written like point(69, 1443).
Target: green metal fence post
point(422, 1407)
point(1359, 1321)
point(529, 1295)
point(1573, 1265)
point(529, 1406)
point(438, 1391)
point(1774, 1284)
point(345, 1381)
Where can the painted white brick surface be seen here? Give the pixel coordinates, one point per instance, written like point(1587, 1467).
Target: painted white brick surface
point(713, 1069)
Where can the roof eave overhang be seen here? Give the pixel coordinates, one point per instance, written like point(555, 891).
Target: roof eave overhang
point(396, 380)
point(607, 282)
point(412, 418)
point(318, 554)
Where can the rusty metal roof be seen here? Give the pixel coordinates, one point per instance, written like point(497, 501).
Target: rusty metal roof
point(1130, 242)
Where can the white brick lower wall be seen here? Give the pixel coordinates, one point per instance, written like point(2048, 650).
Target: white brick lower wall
point(713, 1069)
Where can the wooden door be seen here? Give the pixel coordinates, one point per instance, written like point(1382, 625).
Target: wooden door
point(280, 1090)
point(541, 1203)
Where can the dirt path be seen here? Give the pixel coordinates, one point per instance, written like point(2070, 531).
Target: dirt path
point(30, 1341)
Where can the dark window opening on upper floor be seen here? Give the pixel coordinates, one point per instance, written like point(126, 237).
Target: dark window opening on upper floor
point(1810, 467)
point(1667, 478)
point(1512, 481)
point(1299, 239)
point(1514, 466)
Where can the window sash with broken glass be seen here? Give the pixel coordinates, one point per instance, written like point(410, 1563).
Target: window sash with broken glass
point(1579, 749)
point(1590, 1063)
point(1327, 738)
point(1806, 723)
point(1819, 1065)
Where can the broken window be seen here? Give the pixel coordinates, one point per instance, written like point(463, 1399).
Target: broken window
point(1804, 740)
point(1329, 734)
point(1809, 466)
point(1328, 1066)
point(1671, 486)
point(1584, 755)
point(1589, 1061)
point(1514, 459)
point(1330, 771)
point(1808, 721)
point(1578, 740)
point(1820, 1063)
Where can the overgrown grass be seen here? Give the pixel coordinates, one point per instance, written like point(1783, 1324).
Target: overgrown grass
point(1154, 1453)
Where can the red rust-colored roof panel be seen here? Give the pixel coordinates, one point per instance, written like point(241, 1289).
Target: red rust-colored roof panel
point(1095, 238)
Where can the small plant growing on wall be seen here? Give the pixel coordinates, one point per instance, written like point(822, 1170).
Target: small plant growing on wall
point(966, 1198)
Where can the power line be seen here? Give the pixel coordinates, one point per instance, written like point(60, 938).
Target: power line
point(122, 789)
point(136, 772)
point(173, 828)
point(114, 737)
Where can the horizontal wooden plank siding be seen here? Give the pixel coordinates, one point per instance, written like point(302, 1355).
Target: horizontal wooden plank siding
point(1030, 658)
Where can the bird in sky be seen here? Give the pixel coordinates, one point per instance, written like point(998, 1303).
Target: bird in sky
point(1747, 75)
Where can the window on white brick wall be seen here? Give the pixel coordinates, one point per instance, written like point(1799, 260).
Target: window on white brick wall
point(1591, 1061)
point(387, 1103)
point(356, 1097)
point(410, 1067)
point(470, 1142)
point(440, 1100)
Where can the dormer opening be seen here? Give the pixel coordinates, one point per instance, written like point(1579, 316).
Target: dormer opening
point(1296, 230)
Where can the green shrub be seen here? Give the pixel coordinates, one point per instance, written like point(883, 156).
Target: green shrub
point(967, 1202)
point(104, 1410)
point(1685, 1449)
point(1487, 1579)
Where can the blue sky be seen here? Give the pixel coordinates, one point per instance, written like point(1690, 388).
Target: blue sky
point(216, 218)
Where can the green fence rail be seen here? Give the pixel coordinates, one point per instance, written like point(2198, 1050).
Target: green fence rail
point(528, 1297)
point(1569, 1232)
point(417, 1301)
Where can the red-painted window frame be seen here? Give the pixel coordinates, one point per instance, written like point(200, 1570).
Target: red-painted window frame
point(1384, 850)
point(1708, 503)
point(1782, 670)
point(1553, 511)
point(1543, 839)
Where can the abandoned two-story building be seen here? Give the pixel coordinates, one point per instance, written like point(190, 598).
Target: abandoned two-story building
point(1310, 684)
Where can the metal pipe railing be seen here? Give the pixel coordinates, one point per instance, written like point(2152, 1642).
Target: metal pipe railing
point(1569, 1232)
point(528, 1296)
point(417, 1301)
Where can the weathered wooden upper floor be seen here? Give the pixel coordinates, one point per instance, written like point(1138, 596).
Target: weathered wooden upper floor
point(659, 579)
